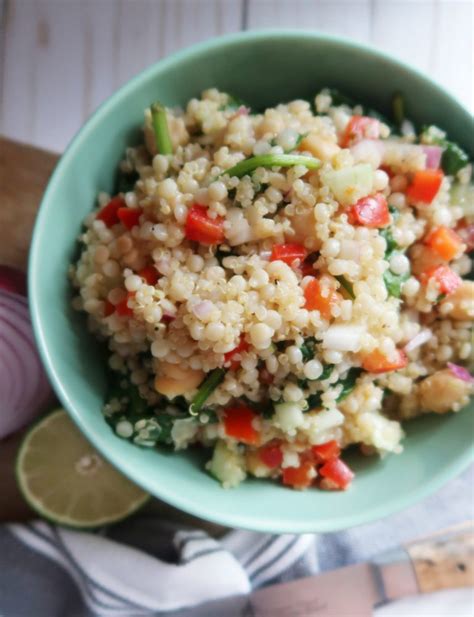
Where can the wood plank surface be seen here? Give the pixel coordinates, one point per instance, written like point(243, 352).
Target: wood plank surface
point(61, 58)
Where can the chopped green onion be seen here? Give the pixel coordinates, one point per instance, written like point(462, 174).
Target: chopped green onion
point(346, 285)
point(398, 108)
point(348, 383)
point(247, 166)
point(327, 370)
point(160, 127)
point(206, 389)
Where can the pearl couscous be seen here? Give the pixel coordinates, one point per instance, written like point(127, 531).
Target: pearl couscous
point(280, 285)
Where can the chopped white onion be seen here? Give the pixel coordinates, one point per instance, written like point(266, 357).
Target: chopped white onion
point(343, 338)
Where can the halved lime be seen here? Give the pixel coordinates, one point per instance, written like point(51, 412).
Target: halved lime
point(65, 480)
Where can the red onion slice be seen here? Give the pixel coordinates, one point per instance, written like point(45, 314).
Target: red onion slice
point(433, 156)
point(24, 388)
point(418, 340)
point(12, 280)
point(460, 372)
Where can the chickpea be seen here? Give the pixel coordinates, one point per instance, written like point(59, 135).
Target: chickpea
point(175, 380)
point(319, 147)
point(443, 391)
point(462, 302)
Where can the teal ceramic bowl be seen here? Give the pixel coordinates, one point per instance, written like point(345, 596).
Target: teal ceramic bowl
point(263, 68)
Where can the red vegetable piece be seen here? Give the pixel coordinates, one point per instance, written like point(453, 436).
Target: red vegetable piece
point(316, 301)
point(229, 356)
point(13, 280)
point(425, 185)
point(238, 423)
point(109, 213)
point(326, 451)
point(129, 217)
point(271, 454)
point(122, 307)
point(377, 362)
point(108, 309)
point(360, 127)
point(150, 274)
point(288, 253)
point(371, 211)
point(299, 477)
point(168, 319)
point(337, 472)
point(445, 242)
point(201, 228)
point(446, 278)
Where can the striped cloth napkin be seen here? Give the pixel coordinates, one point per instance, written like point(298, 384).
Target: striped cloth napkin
point(146, 566)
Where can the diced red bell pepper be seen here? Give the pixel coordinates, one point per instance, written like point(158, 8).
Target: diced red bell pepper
point(326, 451)
point(288, 253)
point(446, 278)
point(377, 362)
point(122, 307)
point(445, 242)
point(299, 477)
point(337, 472)
point(316, 301)
point(371, 211)
point(109, 213)
point(150, 274)
point(229, 356)
point(360, 127)
point(271, 454)
point(238, 423)
point(425, 185)
point(109, 308)
point(201, 228)
point(129, 216)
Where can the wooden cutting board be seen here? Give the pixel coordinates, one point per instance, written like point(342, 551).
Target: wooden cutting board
point(24, 173)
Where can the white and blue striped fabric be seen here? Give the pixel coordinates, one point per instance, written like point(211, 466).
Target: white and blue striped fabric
point(148, 567)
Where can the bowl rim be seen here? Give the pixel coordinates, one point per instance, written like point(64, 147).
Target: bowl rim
point(180, 501)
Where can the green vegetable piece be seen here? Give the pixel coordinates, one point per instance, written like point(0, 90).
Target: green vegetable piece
point(249, 165)
point(314, 401)
point(349, 383)
point(327, 370)
point(307, 348)
point(126, 182)
point(393, 282)
point(338, 98)
point(206, 389)
point(398, 108)
point(453, 158)
point(160, 127)
point(160, 428)
point(137, 405)
point(391, 244)
point(346, 285)
point(233, 103)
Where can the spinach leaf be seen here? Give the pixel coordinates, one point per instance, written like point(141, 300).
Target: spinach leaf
point(307, 348)
point(393, 282)
point(391, 244)
point(453, 158)
point(314, 401)
point(349, 383)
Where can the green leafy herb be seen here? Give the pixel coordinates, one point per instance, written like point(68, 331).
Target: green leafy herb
point(393, 282)
point(348, 383)
point(206, 389)
point(126, 181)
point(233, 103)
point(220, 255)
point(346, 285)
point(327, 370)
point(453, 158)
point(314, 401)
point(299, 139)
point(160, 128)
point(395, 212)
point(398, 108)
point(249, 165)
point(159, 428)
point(307, 348)
point(391, 244)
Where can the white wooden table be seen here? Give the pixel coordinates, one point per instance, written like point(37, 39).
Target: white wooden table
point(59, 59)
